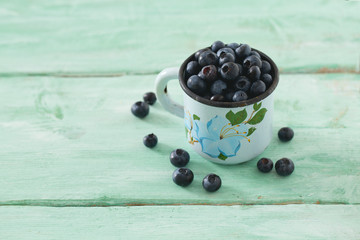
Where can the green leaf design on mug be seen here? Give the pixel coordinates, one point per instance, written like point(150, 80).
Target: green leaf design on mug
point(186, 132)
point(236, 118)
point(222, 157)
point(196, 117)
point(251, 130)
point(259, 116)
point(257, 106)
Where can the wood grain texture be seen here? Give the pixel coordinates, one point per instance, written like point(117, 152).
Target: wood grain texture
point(177, 222)
point(138, 36)
point(74, 142)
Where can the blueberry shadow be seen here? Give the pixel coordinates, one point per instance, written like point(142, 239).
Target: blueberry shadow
point(163, 148)
point(162, 118)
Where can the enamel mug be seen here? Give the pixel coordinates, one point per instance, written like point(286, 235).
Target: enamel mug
point(222, 132)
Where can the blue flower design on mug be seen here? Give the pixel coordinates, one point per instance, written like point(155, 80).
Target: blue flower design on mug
point(221, 137)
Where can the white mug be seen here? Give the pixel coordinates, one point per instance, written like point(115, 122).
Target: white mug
point(222, 132)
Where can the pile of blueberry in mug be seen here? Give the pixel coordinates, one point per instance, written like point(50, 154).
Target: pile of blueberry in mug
point(228, 73)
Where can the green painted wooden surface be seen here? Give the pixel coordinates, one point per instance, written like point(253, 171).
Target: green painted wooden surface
point(70, 70)
point(179, 222)
point(73, 141)
point(137, 36)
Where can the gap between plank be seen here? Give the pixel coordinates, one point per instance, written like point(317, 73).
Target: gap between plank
point(92, 203)
point(323, 70)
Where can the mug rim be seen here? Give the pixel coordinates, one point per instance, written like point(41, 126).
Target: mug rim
point(274, 73)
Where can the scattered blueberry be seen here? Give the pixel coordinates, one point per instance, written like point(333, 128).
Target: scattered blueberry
point(233, 46)
point(149, 98)
point(265, 67)
point(196, 84)
point(254, 73)
point(218, 98)
point(217, 45)
point(183, 176)
point(265, 165)
point(252, 60)
point(150, 140)
point(207, 58)
point(229, 71)
point(208, 73)
point(255, 53)
point(257, 88)
point(140, 109)
point(284, 167)
point(211, 182)
point(218, 87)
point(226, 57)
point(179, 157)
point(192, 68)
point(243, 51)
point(242, 83)
point(226, 50)
point(267, 79)
point(239, 96)
point(285, 134)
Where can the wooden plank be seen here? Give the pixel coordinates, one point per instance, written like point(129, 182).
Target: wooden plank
point(137, 36)
point(74, 142)
point(175, 222)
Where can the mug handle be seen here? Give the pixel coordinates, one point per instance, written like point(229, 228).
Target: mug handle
point(162, 94)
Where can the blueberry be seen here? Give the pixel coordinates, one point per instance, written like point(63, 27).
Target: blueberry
point(257, 88)
point(242, 83)
point(207, 58)
point(150, 140)
point(211, 182)
point(208, 73)
point(217, 45)
point(240, 68)
point(229, 71)
point(265, 67)
point(226, 50)
point(265, 165)
point(253, 52)
point(267, 79)
point(218, 98)
point(229, 96)
point(252, 60)
point(226, 57)
point(183, 176)
point(140, 109)
point(219, 71)
point(254, 73)
point(179, 157)
point(197, 54)
point(239, 96)
point(192, 68)
point(196, 84)
point(149, 98)
point(218, 87)
point(233, 46)
point(285, 134)
point(207, 96)
point(284, 167)
point(243, 51)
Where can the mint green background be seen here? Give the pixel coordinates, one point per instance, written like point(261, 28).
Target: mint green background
point(70, 70)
